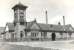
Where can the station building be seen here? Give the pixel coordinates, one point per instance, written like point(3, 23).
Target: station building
point(21, 29)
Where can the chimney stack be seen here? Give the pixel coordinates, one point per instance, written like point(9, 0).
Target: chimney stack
point(46, 17)
point(63, 20)
point(59, 23)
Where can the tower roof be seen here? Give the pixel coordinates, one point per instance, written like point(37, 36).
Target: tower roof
point(20, 6)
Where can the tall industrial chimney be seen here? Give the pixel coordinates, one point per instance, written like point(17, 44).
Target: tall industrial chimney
point(46, 17)
point(63, 20)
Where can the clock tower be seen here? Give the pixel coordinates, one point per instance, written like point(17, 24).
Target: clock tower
point(19, 19)
point(19, 14)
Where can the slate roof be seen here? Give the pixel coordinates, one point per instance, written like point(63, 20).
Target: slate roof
point(46, 27)
point(29, 24)
point(52, 27)
point(20, 6)
point(2, 29)
point(69, 27)
point(10, 26)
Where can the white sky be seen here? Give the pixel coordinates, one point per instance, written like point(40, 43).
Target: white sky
point(36, 9)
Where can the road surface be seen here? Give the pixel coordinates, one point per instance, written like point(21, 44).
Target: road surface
point(46, 45)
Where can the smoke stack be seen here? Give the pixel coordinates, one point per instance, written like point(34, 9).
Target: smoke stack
point(63, 20)
point(46, 17)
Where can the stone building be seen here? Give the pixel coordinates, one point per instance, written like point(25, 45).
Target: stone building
point(21, 29)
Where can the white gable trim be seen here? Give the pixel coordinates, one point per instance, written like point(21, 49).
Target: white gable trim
point(6, 28)
point(35, 26)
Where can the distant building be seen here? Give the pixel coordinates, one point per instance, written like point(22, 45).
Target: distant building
point(1, 32)
point(21, 29)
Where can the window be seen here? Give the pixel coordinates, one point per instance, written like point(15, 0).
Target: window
point(21, 10)
point(21, 13)
point(44, 34)
point(15, 15)
point(21, 16)
point(34, 34)
point(21, 23)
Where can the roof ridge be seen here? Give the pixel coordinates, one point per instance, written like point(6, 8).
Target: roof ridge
point(48, 24)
